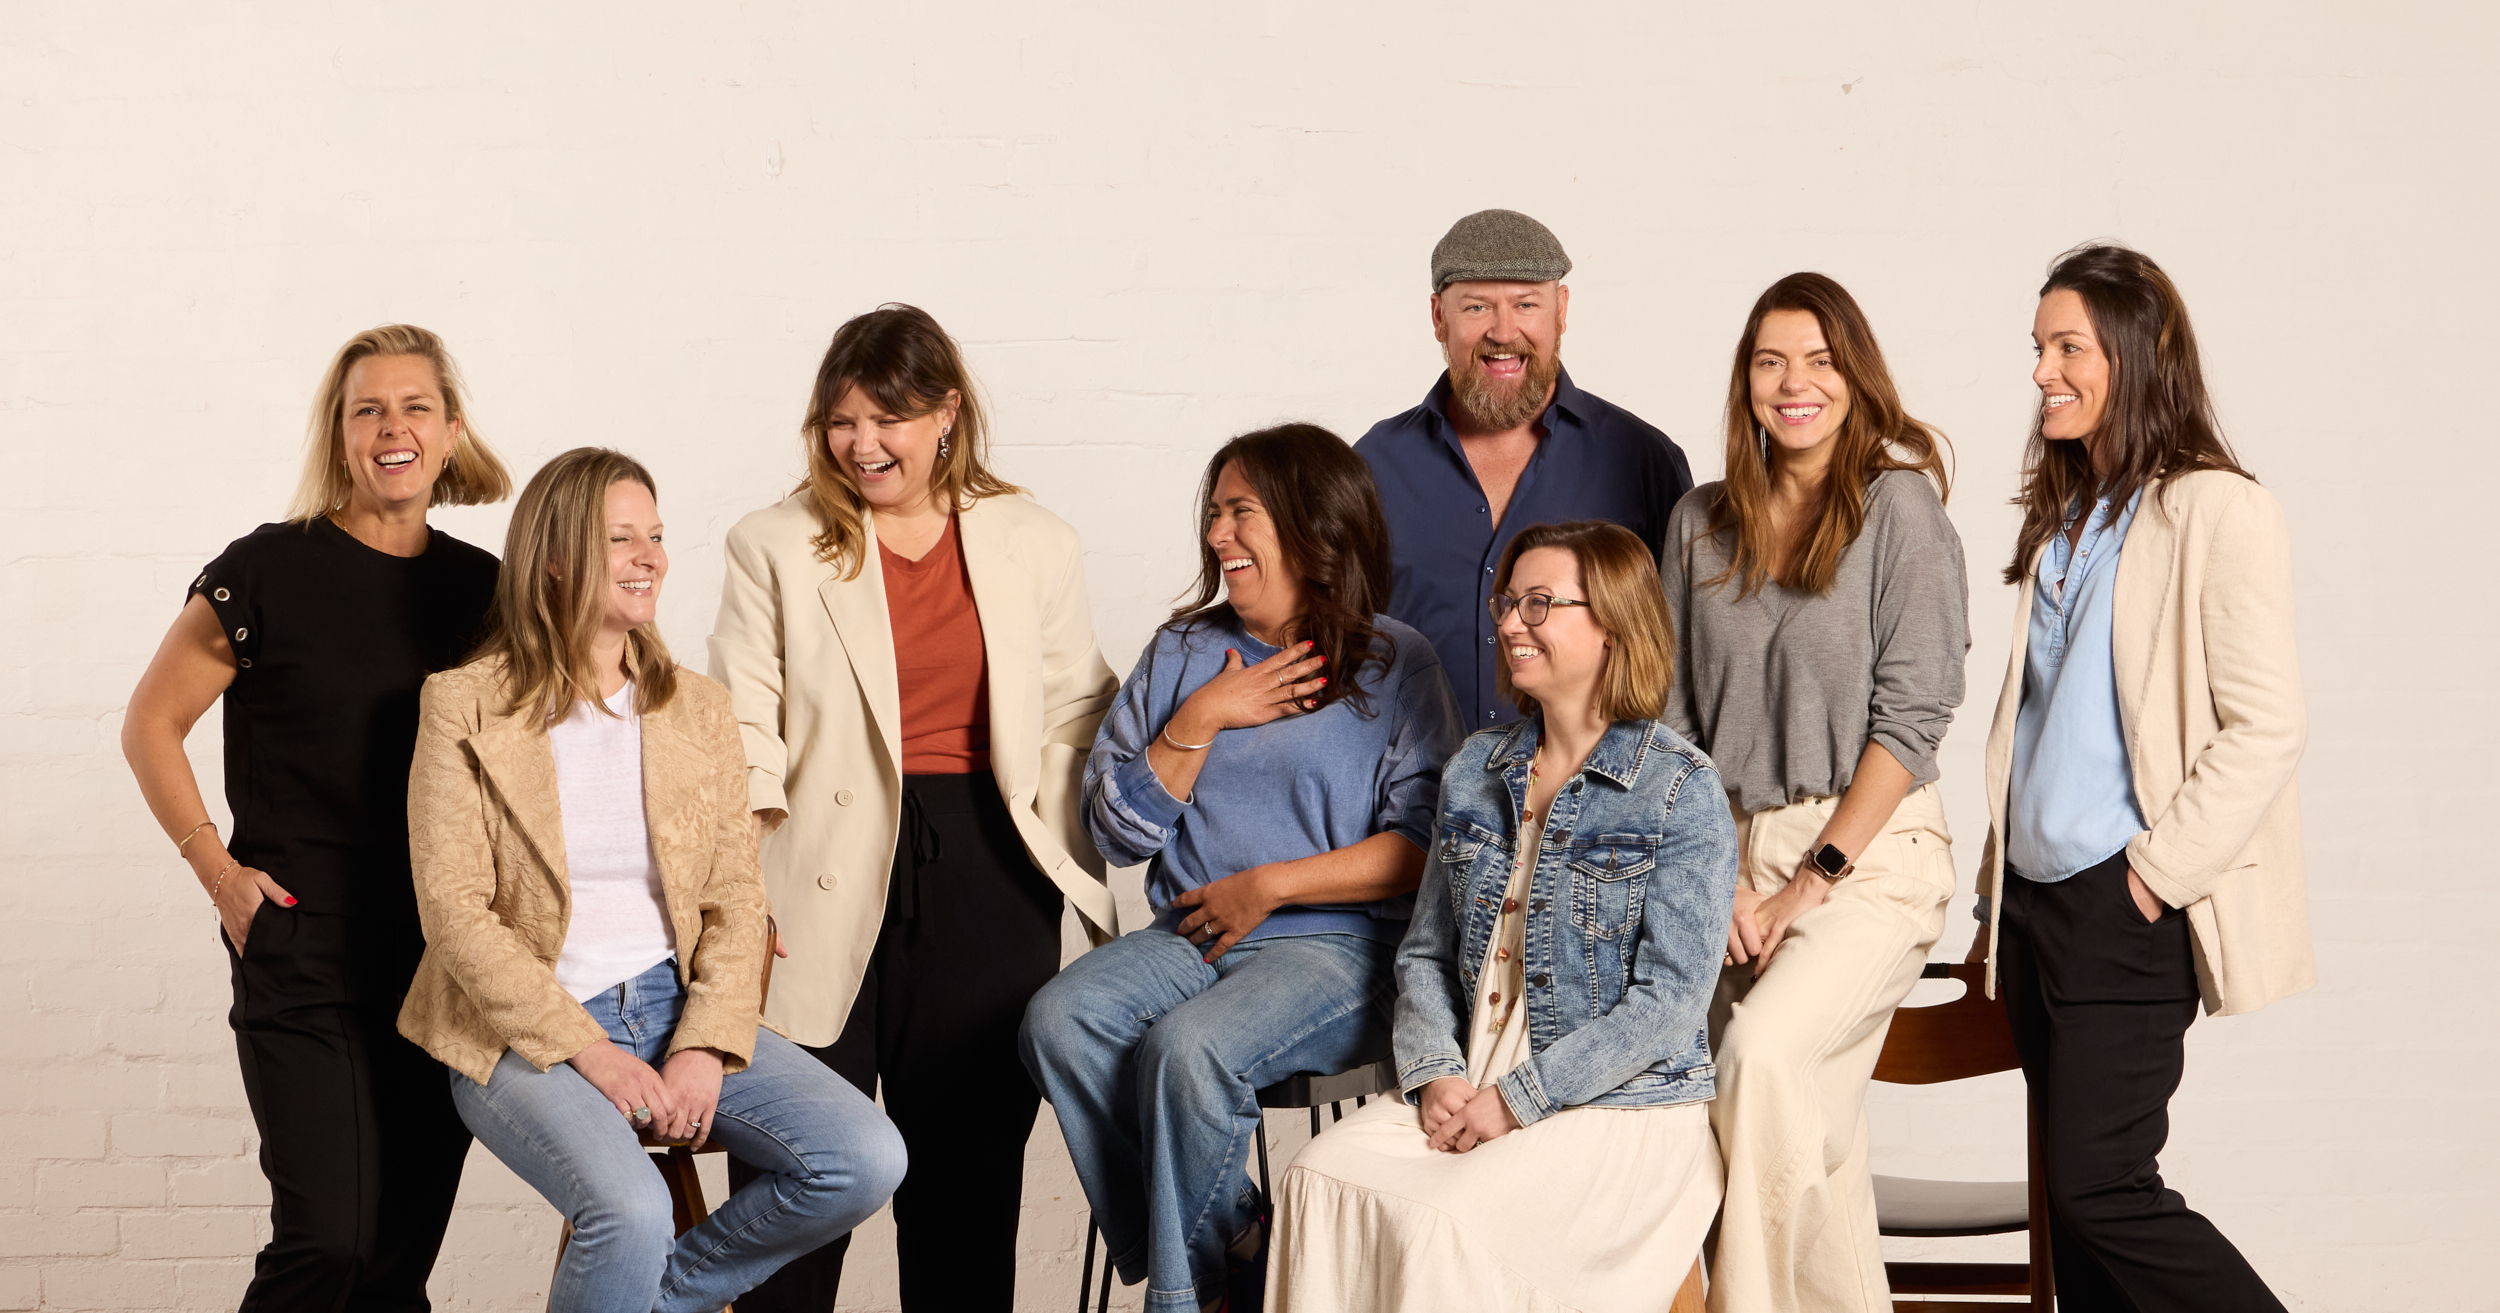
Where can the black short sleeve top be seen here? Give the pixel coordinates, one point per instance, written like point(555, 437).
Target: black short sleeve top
point(332, 640)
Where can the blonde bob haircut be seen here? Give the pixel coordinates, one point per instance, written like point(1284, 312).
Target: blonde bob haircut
point(553, 590)
point(471, 476)
point(904, 362)
point(1620, 576)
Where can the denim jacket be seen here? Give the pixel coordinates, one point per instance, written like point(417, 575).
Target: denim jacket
point(1627, 917)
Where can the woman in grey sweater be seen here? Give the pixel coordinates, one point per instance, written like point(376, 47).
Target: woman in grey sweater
point(1819, 602)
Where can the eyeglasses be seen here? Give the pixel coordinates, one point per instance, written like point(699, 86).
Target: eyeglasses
point(1532, 609)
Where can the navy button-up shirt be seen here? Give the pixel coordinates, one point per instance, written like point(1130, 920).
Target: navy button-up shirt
point(1597, 462)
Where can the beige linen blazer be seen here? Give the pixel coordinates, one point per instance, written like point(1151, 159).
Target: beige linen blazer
point(2209, 698)
point(486, 843)
point(808, 657)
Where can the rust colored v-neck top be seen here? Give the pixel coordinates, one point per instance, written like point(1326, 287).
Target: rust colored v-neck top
point(941, 669)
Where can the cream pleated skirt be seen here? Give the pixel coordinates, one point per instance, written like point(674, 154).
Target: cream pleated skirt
point(1592, 1210)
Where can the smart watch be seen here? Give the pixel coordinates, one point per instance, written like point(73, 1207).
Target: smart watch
point(1830, 863)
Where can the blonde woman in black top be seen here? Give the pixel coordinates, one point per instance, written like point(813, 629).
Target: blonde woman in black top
point(317, 632)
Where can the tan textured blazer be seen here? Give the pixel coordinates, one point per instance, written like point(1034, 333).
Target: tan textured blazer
point(2209, 698)
point(486, 842)
point(809, 660)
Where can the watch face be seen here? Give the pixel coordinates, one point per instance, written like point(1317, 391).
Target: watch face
point(1831, 859)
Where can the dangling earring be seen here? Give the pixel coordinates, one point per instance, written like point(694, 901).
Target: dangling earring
point(945, 441)
point(1762, 442)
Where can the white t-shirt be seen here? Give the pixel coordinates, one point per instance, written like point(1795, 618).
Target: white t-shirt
point(619, 928)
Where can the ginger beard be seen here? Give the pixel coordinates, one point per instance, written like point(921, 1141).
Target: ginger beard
point(1502, 403)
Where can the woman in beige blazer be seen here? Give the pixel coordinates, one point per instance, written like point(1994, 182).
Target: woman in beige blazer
point(2140, 777)
point(594, 927)
point(906, 641)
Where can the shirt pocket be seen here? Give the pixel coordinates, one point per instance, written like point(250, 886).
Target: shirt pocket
point(1463, 851)
point(1609, 877)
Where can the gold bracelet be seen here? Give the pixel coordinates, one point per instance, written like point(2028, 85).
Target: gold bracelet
point(233, 864)
point(185, 840)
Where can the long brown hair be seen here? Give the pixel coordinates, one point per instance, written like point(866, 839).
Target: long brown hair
point(899, 356)
point(1876, 434)
point(552, 589)
point(1620, 575)
point(1320, 497)
point(472, 476)
point(2158, 422)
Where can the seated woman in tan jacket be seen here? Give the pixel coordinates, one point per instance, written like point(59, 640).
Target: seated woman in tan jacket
point(585, 871)
point(2139, 777)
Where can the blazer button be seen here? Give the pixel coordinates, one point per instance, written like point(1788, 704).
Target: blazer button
point(824, 882)
point(842, 797)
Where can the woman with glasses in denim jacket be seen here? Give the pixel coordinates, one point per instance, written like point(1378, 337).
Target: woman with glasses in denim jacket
point(1553, 990)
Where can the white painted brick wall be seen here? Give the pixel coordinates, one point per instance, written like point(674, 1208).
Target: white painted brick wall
point(1155, 226)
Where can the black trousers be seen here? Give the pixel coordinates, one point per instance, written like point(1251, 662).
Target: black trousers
point(971, 931)
point(358, 1136)
point(2100, 1001)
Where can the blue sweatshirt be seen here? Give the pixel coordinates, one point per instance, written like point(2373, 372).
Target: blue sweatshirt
point(1295, 787)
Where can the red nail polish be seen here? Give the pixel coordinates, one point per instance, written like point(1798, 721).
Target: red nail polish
point(1323, 679)
point(290, 901)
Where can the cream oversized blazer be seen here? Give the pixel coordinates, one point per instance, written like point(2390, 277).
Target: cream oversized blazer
point(2209, 699)
point(809, 660)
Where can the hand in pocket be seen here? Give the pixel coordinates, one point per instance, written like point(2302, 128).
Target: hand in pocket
point(2146, 905)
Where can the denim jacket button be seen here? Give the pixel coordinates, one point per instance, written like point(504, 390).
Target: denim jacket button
point(1540, 980)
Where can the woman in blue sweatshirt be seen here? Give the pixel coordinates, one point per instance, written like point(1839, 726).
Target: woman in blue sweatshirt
point(1274, 762)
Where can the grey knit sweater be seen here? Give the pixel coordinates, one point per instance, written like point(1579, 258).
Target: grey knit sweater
point(1783, 689)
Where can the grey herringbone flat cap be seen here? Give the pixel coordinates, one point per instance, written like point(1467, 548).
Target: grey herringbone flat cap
point(1501, 245)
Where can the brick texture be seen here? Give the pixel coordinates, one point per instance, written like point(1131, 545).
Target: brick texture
point(1156, 226)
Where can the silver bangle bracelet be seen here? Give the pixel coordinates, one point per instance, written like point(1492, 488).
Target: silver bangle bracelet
point(1166, 736)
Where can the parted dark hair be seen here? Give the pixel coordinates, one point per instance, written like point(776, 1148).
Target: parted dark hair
point(1319, 495)
point(2158, 422)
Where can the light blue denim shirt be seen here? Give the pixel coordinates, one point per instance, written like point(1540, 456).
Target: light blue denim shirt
point(1626, 920)
point(1288, 789)
point(2073, 802)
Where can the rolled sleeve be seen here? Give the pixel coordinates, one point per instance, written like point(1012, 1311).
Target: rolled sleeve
point(1922, 634)
point(1128, 813)
point(1425, 735)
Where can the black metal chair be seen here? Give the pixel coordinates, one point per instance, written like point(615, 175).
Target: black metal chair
point(1308, 1090)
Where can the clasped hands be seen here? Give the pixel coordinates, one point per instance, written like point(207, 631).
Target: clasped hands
point(1761, 921)
point(679, 1098)
point(1457, 1116)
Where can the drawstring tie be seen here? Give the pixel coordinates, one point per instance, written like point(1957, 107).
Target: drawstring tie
point(921, 840)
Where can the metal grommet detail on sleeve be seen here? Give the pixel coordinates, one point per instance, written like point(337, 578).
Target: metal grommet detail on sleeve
point(245, 662)
point(824, 882)
point(222, 594)
point(241, 633)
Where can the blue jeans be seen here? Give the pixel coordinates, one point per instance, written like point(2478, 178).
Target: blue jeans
point(829, 1159)
point(1153, 1061)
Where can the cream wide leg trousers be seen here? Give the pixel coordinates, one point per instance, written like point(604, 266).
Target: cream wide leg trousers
point(1795, 1051)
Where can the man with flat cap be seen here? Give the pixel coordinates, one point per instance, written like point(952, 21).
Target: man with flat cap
point(1504, 440)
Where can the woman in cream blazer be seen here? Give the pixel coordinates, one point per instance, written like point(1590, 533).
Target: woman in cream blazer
point(907, 644)
point(2144, 839)
point(594, 927)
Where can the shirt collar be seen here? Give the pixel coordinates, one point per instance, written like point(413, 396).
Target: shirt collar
point(1617, 756)
point(1569, 403)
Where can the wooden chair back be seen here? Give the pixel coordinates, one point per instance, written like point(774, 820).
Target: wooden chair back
point(1949, 1041)
point(1956, 1040)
